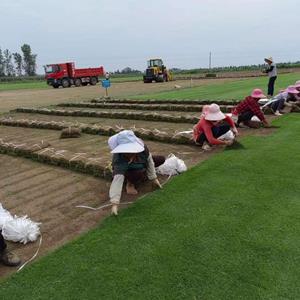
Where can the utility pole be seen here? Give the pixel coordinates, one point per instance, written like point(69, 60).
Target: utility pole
point(209, 64)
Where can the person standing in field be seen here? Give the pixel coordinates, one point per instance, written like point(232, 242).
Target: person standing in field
point(271, 70)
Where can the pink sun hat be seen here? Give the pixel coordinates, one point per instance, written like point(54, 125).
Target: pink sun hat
point(292, 90)
point(214, 113)
point(258, 93)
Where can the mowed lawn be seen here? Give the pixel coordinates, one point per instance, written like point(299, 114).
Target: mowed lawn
point(235, 89)
point(226, 229)
point(12, 86)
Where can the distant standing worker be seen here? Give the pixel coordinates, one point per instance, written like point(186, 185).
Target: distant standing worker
point(272, 73)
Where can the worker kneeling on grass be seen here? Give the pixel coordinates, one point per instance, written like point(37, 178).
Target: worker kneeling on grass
point(248, 108)
point(132, 162)
point(212, 126)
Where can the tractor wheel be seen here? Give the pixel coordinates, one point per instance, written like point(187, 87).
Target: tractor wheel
point(93, 81)
point(160, 78)
point(65, 83)
point(77, 82)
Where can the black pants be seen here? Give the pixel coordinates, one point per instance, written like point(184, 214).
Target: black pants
point(271, 85)
point(217, 131)
point(136, 176)
point(277, 105)
point(245, 116)
point(2, 243)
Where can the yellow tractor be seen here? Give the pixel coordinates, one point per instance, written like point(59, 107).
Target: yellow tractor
point(157, 71)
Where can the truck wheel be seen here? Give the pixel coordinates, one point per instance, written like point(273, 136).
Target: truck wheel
point(65, 83)
point(93, 81)
point(77, 82)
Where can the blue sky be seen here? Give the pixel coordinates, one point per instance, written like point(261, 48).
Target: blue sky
point(117, 34)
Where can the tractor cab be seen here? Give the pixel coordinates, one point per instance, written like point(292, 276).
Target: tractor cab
point(155, 63)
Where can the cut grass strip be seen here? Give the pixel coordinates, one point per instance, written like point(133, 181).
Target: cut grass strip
point(227, 229)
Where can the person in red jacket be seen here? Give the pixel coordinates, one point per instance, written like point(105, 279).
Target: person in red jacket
point(248, 108)
point(213, 124)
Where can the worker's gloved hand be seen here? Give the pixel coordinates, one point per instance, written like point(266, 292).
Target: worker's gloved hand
point(235, 131)
point(157, 183)
point(114, 209)
point(228, 142)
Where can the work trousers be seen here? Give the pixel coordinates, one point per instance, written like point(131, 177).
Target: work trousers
point(136, 176)
point(217, 131)
point(277, 105)
point(245, 116)
point(2, 243)
point(271, 85)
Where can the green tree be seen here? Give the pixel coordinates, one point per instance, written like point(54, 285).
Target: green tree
point(29, 60)
point(18, 63)
point(1, 64)
point(9, 68)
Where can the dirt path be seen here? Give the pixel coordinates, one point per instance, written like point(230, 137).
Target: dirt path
point(35, 98)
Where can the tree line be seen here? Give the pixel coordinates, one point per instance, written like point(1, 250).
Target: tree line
point(18, 64)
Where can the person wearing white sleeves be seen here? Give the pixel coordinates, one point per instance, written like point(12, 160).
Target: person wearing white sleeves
point(131, 163)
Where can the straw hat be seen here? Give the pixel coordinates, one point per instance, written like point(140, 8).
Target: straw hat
point(214, 113)
point(269, 59)
point(258, 93)
point(125, 142)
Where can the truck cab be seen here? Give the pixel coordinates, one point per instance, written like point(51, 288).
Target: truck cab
point(65, 75)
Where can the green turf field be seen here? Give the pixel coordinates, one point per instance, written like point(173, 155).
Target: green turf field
point(235, 89)
point(11, 86)
point(226, 229)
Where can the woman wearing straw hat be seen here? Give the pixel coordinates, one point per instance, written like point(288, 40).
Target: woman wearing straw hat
point(132, 162)
point(272, 73)
point(212, 125)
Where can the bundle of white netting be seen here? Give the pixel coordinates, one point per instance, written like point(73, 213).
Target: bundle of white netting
point(172, 166)
point(228, 136)
point(4, 216)
point(18, 229)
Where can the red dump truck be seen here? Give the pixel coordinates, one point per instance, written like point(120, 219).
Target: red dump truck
point(65, 75)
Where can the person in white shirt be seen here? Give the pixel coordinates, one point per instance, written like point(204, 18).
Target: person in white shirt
point(271, 70)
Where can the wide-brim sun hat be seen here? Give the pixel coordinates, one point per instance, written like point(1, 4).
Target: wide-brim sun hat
point(125, 142)
point(214, 113)
point(258, 93)
point(292, 90)
point(269, 59)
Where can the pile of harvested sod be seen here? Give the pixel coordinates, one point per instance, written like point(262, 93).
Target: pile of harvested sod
point(171, 101)
point(146, 134)
point(112, 115)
